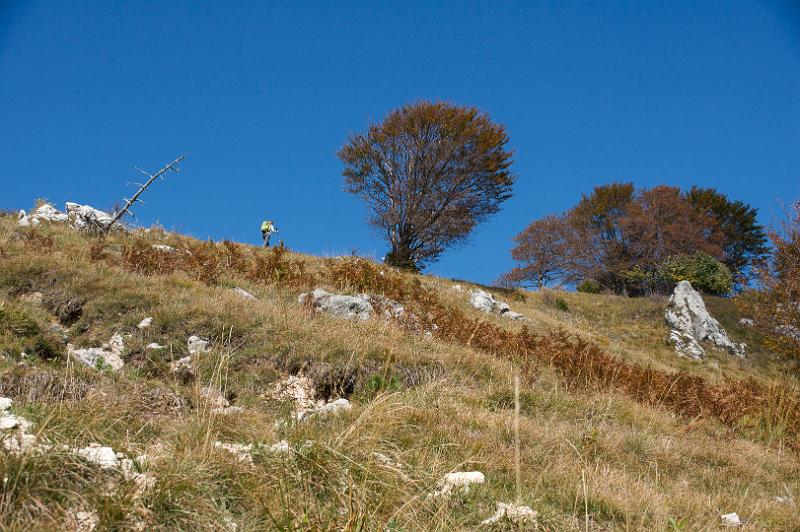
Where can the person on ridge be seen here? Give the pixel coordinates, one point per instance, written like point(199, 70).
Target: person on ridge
point(267, 228)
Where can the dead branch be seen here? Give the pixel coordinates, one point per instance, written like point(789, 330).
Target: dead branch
point(152, 177)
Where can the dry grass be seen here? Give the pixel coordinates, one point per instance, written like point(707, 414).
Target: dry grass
point(608, 442)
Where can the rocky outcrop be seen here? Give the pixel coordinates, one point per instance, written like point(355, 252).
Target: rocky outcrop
point(690, 323)
point(349, 307)
point(86, 218)
point(42, 213)
point(486, 302)
point(101, 358)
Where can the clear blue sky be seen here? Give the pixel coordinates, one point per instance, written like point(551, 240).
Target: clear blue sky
point(261, 95)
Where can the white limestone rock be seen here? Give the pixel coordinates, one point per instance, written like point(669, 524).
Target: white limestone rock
point(459, 481)
point(350, 307)
point(197, 345)
point(486, 302)
point(145, 323)
point(516, 514)
point(691, 323)
point(334, 407)
point(164, 248)
point(242, 452)
point(731, 520)
point(96, 358)
point(244, 294)
point(86, 218)
point(42, 213)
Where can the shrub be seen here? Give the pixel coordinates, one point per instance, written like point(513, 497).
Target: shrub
point(589, 286)
point(702, 270)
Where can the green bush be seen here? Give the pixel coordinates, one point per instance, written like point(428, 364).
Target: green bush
point(702, 270)
point(589, 286)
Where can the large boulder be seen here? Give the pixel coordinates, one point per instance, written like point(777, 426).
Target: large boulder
point(691, 323)
point(343, 306)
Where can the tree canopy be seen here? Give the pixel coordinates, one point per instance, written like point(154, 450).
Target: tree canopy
point(429, 173)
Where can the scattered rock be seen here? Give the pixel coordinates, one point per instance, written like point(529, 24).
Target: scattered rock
point(486, 302)
point(96, 358)
point(334, 407)
point(690, 323)
point(244, 293)
point(388, 463)
point(731, 519)
point(145, 323)
point(82, 521)
point(281, 447)
point(460, 481)
point(42, 213)
point(184, 363)
point(457, 288)
point(516, 514)
point(156, 346)
point(14, 431)
point(297, 389)
point(197, 345)
point(33, 298)
point(746, 322)
point(338, 305)
point(164, 248)
point(106, 458)
point(239, 450)
point(300, 390)
point(86, 218)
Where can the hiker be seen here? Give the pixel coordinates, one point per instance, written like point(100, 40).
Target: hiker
point(267, 228)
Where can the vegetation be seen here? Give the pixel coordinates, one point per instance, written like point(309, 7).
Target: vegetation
point(776, 306)
point(635, 242)
point(429, 173)
point(617, 433)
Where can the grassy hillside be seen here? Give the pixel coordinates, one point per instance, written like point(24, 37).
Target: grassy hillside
point(616, 431)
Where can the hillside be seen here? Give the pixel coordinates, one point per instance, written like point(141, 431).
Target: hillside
point(617, 432)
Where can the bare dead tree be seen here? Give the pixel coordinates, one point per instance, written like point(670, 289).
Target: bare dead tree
point(171, 167)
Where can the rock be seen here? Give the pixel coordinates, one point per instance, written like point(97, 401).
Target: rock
point(82, 521)
point(339, 305)
point(334, 407)
point(746, 322)
point(214, 398)
point(280, 448)
point(690, 323)
point(731, 519)
point(106, 458)
point(156, 346)
point(390, 308)
point(5, 403)
point(86, 218)
point(164, 248)
point(145, 323)
point(457, 288)
point(42, 213)
point(103, 456)
point(516, 514)
point(486, 302)
point(116, 344)
point(239, 450)
point(34, 298)
point(297, 389)
point(460, 480)
point(96, 358)
point(197, 345)
point(184, 363)
point(244, 293)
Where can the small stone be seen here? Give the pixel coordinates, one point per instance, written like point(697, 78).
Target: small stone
point(155, 346)
point(145, 323)
point(5, 403)
point(164, 248)
point(197, 345)
point(731, 519)
point(460, 480)
point(517, 514)
point(244, 294)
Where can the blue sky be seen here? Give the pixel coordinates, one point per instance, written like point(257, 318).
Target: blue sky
point(261, 95)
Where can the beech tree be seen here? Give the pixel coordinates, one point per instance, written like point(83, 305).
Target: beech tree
point(429, 173)
point(542, 249)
